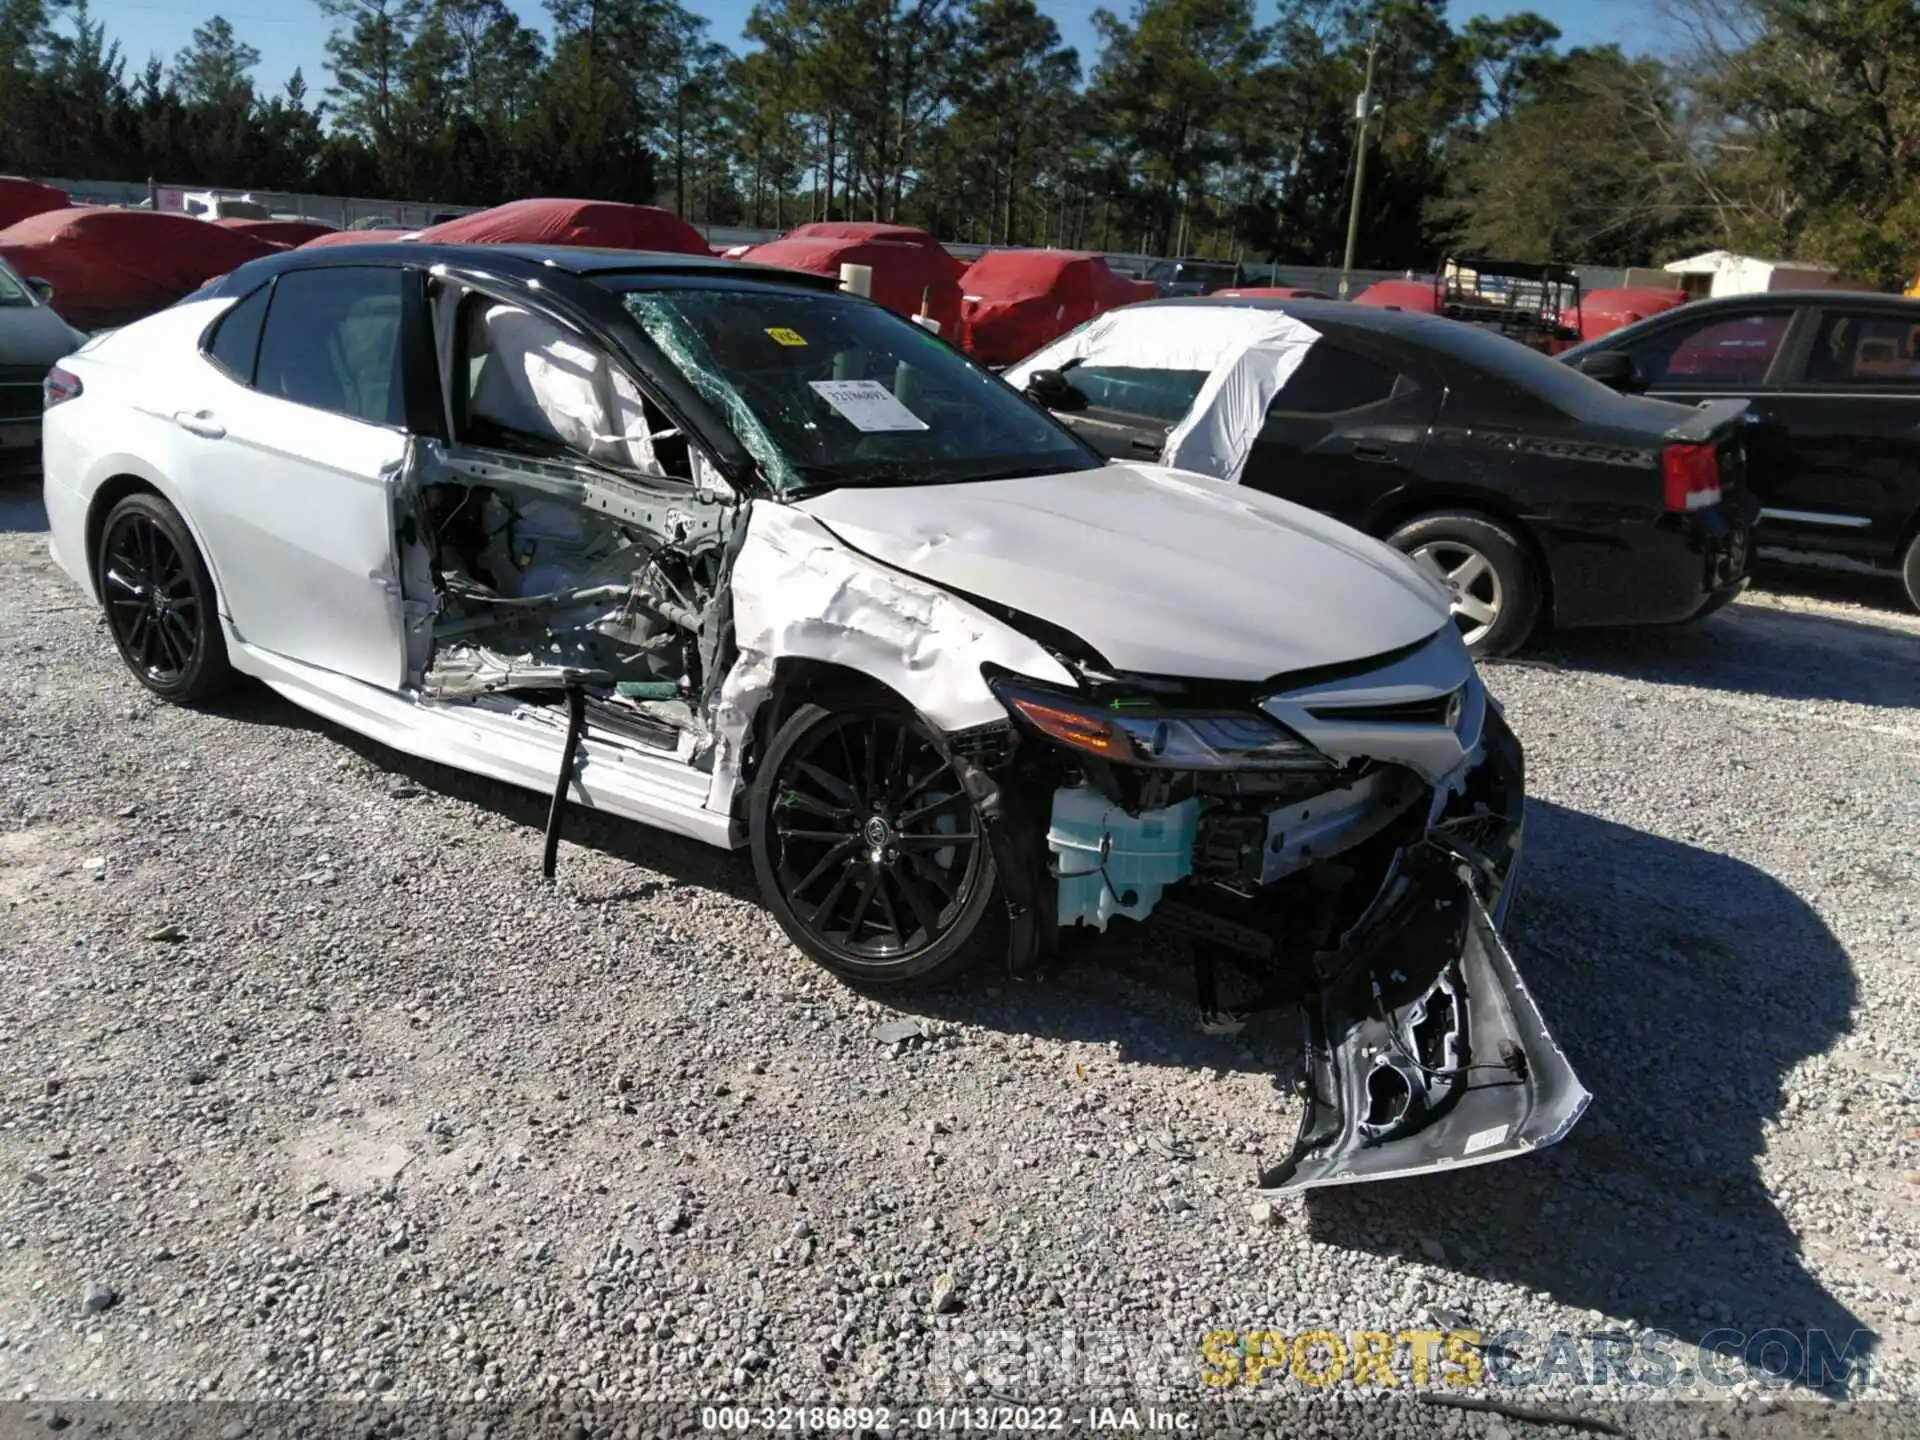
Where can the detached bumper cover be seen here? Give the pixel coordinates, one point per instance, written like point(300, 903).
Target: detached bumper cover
point(1424, 1049)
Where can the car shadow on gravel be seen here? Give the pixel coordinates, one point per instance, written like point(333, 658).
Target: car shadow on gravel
point(1684, 986)
point(668, 859)
point(1754, 650)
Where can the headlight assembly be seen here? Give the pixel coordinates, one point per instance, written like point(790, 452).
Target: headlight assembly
point(1141, 733)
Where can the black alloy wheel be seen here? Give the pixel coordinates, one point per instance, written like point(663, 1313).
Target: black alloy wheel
point(868, 851)
point(159, 601)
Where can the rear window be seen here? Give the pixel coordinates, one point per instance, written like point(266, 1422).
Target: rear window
point(1509, 363)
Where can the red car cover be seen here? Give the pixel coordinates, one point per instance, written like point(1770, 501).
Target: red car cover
point(1271, 292)
point(902, 274)
point(1604, 311)
point(597, 224)
point(874, 230)
point(110, 267)
point(1415, 295)
point(285, 233)
point(21, 198)
point(1015, 301)
point(354, 237)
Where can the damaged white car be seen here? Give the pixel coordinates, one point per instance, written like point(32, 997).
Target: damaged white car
point(730, 553)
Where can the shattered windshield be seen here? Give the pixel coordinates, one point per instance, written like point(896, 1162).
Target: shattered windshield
point(826, 391)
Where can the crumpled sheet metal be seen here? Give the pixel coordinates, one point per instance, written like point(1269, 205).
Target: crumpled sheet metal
point(1249, 356)
point(800, 593)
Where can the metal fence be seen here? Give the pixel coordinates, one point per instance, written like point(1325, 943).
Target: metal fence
point(347, 210)
point(339, 210)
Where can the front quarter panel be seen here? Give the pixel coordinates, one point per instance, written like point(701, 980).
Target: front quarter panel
point(799, 593)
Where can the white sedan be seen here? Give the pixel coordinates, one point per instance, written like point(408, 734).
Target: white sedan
point(730, 553)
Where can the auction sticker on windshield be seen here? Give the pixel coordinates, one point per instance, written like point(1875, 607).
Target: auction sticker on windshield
point(867, 405)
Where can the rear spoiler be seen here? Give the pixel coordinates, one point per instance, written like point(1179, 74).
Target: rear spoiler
point(1708, 421)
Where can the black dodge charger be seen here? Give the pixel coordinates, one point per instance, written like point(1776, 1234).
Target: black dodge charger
point(1532, 490)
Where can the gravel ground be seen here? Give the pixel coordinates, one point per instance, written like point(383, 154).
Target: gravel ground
point(310, 1088)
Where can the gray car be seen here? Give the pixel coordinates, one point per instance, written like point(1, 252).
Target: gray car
point(32, 338)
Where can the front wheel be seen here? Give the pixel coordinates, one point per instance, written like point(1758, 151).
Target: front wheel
point(1496, 594)
point(867, 849)
point(159, 601)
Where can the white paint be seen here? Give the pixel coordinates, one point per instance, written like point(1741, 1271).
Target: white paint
point(1485, 1139)
point(856, 279)
point(799, 593)
point(1249, 355)
point(1160, 572)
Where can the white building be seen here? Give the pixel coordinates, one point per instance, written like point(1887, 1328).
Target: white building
point(1721, 272)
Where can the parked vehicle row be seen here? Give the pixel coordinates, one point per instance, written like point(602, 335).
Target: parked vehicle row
point(720, 549)
point(1523, 486)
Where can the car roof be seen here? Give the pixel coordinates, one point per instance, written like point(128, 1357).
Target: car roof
point(1795, 297)
point(1332, 312)
point(529, 261)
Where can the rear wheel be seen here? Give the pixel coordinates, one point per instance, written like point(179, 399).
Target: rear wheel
point(1910, 572)
point(867, 849)
point(159, 601)
point(1496, 592)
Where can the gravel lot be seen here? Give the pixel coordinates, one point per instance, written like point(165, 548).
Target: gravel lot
point(309, 1087)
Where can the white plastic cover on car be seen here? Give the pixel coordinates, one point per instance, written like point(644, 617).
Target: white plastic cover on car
point(1249, 355)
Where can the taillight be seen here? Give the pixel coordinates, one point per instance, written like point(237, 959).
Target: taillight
point(1690, 476)
point(60, 385)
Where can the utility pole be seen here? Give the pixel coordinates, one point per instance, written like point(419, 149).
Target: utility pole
point(1363, 113)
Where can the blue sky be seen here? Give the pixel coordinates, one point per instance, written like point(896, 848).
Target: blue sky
point(290, 33)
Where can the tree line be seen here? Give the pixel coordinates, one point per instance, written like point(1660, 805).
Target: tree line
point(1198, 126)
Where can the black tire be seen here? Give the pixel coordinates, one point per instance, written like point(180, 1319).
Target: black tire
point(1910, 572)
point(1506, 591)
point(159, 601)
point(892, 845)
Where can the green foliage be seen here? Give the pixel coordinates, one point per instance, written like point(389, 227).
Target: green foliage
point(1195, 128)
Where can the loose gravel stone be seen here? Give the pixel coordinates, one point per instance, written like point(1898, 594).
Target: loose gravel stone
point(614, 1138)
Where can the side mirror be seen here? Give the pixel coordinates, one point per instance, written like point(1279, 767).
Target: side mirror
point(42, 289)
point(1051, 389)
point(1612, 368)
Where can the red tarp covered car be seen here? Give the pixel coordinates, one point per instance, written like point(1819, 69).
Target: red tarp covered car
point(902, 274)
point(288, 233)
point(110, 267)
point(597, 224)
point(1414, 295)
point(1604, 311)
point(874, 230)
point(1014, 301)
point(20, 198)
point(355, 237)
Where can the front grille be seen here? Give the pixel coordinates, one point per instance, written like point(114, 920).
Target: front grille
point(1407, 712)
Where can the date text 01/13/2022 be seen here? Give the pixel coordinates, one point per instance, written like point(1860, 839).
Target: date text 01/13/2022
point(880, 1419)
